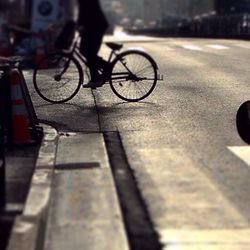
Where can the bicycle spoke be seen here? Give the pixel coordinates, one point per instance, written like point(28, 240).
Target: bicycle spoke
point(140, 80)
point(141, 76)
point(60, 81)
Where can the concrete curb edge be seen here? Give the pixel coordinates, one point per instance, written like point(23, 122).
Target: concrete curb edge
point(29, 228)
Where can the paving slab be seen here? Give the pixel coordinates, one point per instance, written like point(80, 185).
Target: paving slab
point(84, 211)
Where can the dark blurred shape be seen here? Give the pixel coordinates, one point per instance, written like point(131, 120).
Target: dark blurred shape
point(243, 121)
point(232, 6)
point(2, 138)
point(95, 23)
point(66, 36)
point(4, 5)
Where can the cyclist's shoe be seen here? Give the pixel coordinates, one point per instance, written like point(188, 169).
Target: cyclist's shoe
point(93, 84)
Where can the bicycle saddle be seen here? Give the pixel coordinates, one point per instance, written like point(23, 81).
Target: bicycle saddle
point(114, 46)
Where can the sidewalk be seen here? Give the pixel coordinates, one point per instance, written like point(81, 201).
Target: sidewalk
point(72, 201)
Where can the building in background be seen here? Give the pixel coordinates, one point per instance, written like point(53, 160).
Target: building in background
point(45, 13)
point(232, 6)
point(164, 12)
point(21, 12)
point(135, 13)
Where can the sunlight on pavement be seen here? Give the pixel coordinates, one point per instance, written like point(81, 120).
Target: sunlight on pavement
point(217, 46)
point(191, 47)
point(122, 36)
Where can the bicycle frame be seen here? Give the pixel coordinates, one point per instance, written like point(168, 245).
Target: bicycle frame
point(128, 75)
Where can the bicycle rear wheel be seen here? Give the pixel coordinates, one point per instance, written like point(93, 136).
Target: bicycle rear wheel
point(57, 77)
point(133, 76)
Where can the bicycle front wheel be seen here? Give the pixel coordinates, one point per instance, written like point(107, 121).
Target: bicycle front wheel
point(133, 76)
point(57, 77)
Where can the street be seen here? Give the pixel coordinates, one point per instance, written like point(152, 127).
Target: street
point(181, 142)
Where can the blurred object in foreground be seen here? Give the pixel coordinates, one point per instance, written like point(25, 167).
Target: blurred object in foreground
point(5, 42)
point(243, 121)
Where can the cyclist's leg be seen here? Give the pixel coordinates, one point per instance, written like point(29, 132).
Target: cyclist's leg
point(89, 47)
point(102, 64)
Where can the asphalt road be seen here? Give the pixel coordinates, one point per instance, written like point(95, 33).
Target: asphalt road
point(181, 142)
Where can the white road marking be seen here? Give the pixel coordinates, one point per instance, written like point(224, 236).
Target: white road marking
point(244, 46)
point(242, 152)
point(213, 239)
point(197, 48)
point(216, 46)
point(191, 47)
point(136, 48)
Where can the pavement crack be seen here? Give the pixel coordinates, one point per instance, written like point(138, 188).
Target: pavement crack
point(97, 110)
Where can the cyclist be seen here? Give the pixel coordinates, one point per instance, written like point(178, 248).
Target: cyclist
point(94, 22)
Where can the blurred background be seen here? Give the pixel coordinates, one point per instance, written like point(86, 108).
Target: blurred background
point(129, 13)
point(199, 18)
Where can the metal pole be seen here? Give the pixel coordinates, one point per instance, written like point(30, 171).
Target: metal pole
point(2, 148)
point(2, 183)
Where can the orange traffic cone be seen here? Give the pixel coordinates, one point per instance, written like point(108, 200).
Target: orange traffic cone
point(20, 117)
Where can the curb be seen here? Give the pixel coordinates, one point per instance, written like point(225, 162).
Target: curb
point(84, 210)
point(29, 228)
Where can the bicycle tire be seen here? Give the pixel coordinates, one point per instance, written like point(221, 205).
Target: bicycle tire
point(58, 77)
point(144, 71)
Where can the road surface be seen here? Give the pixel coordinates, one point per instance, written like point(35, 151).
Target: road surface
point(190, 165)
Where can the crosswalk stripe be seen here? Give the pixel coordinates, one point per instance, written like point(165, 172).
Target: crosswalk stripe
point(211, 46)
point(206, 239)
point(191, 47)
point(242, 152)
point(244, 46)
point(216, 46)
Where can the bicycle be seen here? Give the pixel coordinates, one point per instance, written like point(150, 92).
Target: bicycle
point(132, 74)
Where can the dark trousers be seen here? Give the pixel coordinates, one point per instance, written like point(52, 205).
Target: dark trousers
point(90, 44)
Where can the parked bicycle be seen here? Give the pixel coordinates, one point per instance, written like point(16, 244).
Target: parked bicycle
point(132, 74)
point(29, 44)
